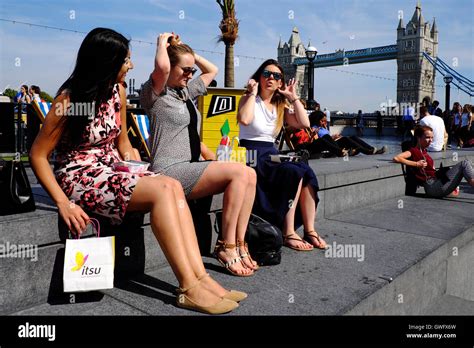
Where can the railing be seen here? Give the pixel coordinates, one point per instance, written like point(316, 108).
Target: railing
point(370, 120)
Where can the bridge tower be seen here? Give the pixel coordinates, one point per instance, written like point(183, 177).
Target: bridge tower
point(287, 53)
point(415, 75)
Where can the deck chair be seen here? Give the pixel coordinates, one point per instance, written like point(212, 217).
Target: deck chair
point(41, 109)
point(140, 125)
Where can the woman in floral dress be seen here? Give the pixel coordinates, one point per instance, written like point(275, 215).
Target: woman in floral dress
point(89, 140)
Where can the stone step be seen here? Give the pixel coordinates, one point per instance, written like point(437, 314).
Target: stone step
point(345, 187)
point(393, 252)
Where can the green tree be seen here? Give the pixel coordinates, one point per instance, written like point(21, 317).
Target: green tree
point(46, 97)
point(10, 93)
point(229, 27)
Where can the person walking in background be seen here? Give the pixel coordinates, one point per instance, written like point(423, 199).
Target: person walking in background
point(379, 118)
point(88, 146)
point(22, 96)
point(287, 193)
point(176, 150)
point(360, 124)
point(35, 92)
point(408, 121)
point(435, 110)
point(328, 118)
point(449, 121)
point(440, 137)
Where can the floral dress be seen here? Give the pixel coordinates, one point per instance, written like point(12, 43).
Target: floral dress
point(85, 172)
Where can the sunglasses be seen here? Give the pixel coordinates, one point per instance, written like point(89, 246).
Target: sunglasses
point(188, 70)
point(267, 73)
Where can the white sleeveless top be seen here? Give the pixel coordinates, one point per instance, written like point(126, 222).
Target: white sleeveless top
point(263, 124)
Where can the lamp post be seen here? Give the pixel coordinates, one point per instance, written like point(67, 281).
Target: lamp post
point(447, 80)
point(311, 52)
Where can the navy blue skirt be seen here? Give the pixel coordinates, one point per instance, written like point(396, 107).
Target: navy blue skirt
point(277, 183)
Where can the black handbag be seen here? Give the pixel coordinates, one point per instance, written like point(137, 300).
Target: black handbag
point(15, 190)
point(264, 239)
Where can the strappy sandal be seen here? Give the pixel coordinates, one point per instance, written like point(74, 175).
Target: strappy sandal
point(290, 237)
point(221, 307)
point(244, 245)
point(222, 246)
point(314, 234)
point(232, 295)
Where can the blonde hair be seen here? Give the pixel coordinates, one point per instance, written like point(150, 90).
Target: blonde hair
point(176, 50)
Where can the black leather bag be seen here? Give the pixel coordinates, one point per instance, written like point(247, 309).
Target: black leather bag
point(264, 239)
point(15, 190)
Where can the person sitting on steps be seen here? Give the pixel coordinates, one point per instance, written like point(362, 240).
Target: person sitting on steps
point(84, 174)
point(435, 184)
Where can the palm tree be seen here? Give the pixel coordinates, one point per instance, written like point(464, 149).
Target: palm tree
point(229, 27)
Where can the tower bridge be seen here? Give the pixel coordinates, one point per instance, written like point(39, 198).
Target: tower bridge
point(415, 73)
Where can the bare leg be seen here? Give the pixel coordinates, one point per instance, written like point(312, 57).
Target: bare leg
point(191, 244)
point(308, 212)
point(289, 224)
point(243, 220)
point(232, 178)
point(156, 194)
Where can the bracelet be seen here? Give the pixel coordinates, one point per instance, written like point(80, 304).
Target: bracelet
point(293, 101)
point(249, 94)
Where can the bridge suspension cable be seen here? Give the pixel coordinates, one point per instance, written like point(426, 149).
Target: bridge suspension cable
point(460, 81)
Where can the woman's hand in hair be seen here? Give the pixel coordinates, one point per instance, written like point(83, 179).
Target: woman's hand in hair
point(252, 87)
point(163, 40)
point(289, 91)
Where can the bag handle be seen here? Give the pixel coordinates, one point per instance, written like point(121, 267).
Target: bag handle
point(95, 224)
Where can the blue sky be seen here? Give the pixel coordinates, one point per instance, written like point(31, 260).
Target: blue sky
point(46, 57)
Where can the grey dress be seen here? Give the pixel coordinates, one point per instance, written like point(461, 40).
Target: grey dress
point(169, 136)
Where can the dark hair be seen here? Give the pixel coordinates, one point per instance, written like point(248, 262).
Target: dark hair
point(25, 87)
point(315, 117)
point(420, 130)
point(99, 60)
point(426, 101)
point(423, 110)
point(36, 89)
point(435, 103)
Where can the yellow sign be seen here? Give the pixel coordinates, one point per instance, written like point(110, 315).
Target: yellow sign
point(219, 105)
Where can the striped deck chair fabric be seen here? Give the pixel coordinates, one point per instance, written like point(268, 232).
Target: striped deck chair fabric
point(141, 125)
point(41, 108)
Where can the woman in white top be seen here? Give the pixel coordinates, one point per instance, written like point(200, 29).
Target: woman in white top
point(463, 124)
point(281, 187)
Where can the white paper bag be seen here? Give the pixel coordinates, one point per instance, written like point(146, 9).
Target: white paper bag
point(89, 264)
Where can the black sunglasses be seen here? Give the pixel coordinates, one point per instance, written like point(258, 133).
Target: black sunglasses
point(268, 73)
point(188, 70)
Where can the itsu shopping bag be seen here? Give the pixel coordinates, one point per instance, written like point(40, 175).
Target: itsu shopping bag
point(89, 263)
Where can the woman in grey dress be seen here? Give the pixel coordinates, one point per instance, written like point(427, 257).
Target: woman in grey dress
point(176, 150)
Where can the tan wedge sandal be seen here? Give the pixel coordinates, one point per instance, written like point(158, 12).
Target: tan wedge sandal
point(221, 307)
point(232, 295)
